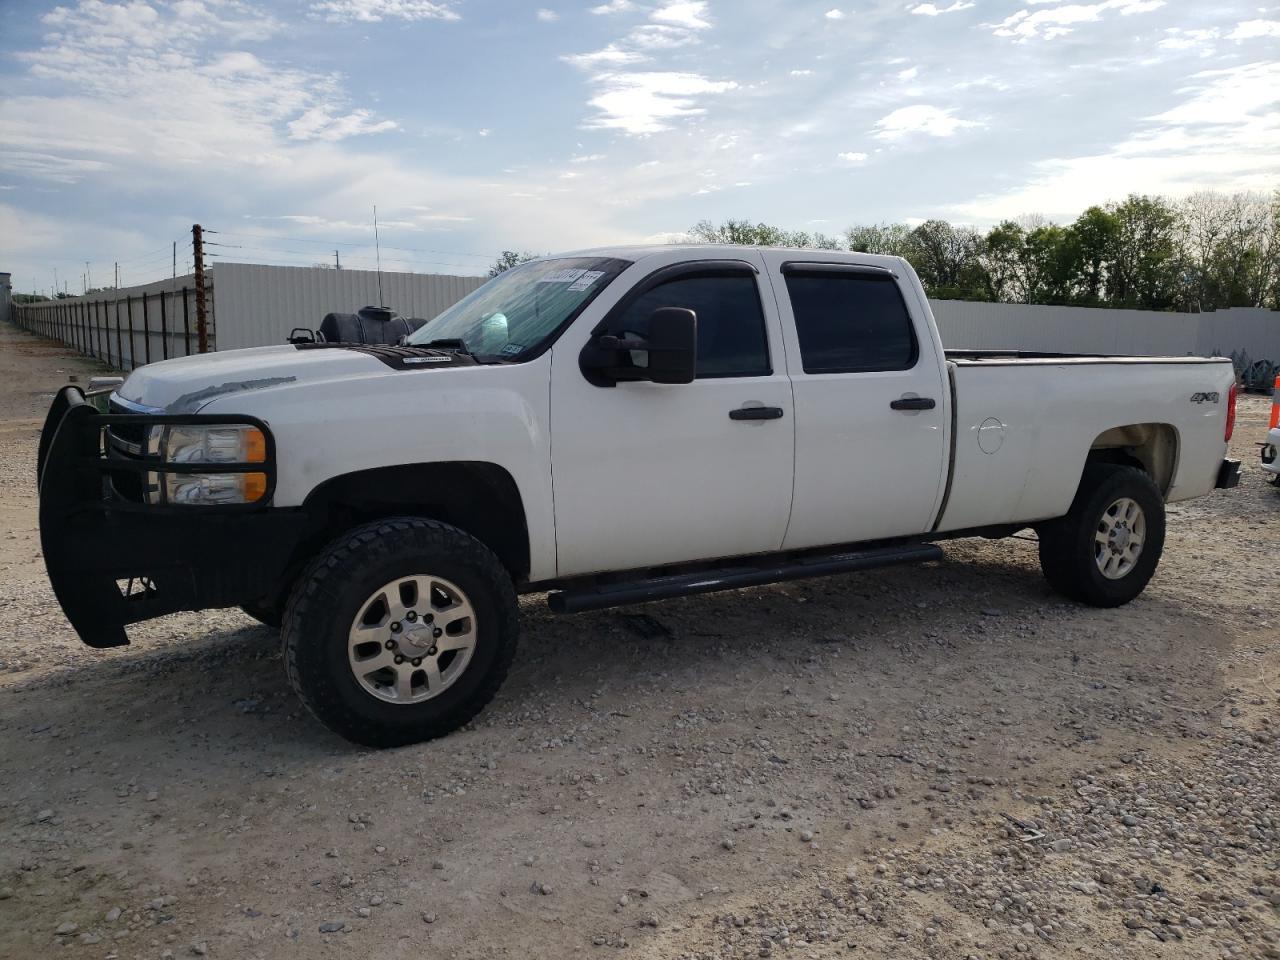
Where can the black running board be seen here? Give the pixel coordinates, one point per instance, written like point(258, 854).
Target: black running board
point(731, 578)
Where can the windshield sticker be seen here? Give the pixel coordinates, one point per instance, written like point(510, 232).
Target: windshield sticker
point(587, 279)
point(568, 275)
point(511, 349)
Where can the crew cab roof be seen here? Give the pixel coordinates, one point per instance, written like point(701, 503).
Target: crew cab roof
point(638, 252)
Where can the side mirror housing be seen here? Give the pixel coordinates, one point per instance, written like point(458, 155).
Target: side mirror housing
point(666, 354)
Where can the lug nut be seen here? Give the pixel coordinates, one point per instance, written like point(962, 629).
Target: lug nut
point(437, 632)
point(428, 617)
point(395, 626)
point(399, 659)
point(411, 616)
point(431, 652)
point(417, 661)
point(391, 644)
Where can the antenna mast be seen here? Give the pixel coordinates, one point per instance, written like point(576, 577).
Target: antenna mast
point(377, 244)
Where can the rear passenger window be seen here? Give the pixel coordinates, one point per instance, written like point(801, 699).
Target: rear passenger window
point(850, 322)
point(731, 332)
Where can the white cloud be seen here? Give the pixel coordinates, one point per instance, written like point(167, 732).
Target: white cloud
point(852, 157)
point(1223, 135)
point(373, 11)
point(120, 110)
point(588, 158)
point(646, 102)
point(908, 74)
point(547, 16)
point(1060, 20)
point(688, 14)
point(801, 73)
point(48, 166)
point(932, 10)
point(483, 132)
point(922, 119)
point(319, 123)
point(609, 56)
point(1180, 39)
point(835, 13)
point(614, 6)
point(1252, 29)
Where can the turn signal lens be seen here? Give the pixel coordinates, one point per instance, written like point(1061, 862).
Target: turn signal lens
point(1231, 412)
point(255, 487)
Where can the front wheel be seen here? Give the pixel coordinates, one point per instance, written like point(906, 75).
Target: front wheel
point(400, 631)
point(1105, 550)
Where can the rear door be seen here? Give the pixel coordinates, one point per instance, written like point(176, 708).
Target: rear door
point(871, 402)
point(647, 474)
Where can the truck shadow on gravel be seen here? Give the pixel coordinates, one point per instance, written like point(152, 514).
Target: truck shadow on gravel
point(992, 612)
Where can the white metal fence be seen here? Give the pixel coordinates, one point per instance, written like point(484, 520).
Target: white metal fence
point(252, 305)
point(258, 305)
point(990, 326)
point(124, 328)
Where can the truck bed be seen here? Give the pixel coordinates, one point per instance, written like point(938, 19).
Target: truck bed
point(1023, 424)
point(994, 357)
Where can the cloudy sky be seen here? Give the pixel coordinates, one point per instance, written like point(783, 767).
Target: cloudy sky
point(477, 125)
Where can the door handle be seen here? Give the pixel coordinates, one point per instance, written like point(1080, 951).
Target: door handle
point(756, 413)
point(913, 403)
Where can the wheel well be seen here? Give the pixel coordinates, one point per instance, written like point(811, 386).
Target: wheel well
point(479, 498)
point(1151, 447)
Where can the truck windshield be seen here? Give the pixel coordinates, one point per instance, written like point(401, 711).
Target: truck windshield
point(521, 309)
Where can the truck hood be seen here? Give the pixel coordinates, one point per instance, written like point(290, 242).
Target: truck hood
point(186, 384)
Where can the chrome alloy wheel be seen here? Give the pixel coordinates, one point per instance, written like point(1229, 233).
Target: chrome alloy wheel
point(412, 639)
point(1122, 530)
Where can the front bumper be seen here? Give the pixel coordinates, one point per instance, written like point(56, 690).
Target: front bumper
point(1270, 453)
point(113, 561)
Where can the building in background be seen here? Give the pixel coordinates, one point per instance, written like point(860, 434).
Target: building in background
point(249, 305)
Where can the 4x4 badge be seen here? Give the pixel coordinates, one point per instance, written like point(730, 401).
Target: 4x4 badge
point(1204, 398)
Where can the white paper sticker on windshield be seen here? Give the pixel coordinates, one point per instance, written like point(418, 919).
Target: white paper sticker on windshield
point(587, 279)
point(568, 275)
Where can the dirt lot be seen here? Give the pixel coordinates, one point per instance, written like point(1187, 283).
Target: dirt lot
point(945, 761)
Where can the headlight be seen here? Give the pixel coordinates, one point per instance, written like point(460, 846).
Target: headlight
point(216, 444)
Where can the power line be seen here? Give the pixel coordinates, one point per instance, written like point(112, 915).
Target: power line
point(355, 243)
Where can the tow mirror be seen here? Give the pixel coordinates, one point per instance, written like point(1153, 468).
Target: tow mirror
point(666, 354)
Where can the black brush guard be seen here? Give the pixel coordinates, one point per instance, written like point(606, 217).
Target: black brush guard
point(113, 561)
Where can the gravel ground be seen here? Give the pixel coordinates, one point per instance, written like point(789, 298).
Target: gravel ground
point(945, 761)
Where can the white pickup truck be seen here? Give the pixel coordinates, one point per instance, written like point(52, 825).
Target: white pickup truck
point(606, 427)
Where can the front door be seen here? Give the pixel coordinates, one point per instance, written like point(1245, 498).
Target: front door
point(647, 474)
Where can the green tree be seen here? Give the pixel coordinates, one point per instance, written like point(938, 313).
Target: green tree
point(759, 235)
point(1144, 267)
point(508, 259)
point(1094, 233)
point(949, 261)
point(1004, 257)
point(886, 239)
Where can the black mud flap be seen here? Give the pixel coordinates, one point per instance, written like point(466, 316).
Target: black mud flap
point(1228, 475)
point(113, 562)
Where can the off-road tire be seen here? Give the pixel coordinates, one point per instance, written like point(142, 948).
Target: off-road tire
point(328, 596)
point(268, 616)
point(1067, 544)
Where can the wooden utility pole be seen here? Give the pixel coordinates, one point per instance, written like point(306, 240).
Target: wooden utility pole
point(202, 327)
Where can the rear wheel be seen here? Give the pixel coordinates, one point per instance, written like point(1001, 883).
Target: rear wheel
point(1105, 550)
point(401, 631)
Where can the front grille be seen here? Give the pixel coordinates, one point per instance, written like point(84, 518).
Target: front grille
point(127, 441)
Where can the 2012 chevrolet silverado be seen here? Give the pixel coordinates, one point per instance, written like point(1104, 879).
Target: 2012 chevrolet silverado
point(607, 427)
